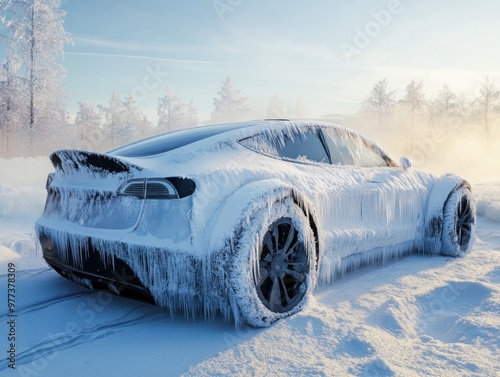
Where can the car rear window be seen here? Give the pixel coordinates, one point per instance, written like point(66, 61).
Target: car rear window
point(172, 140)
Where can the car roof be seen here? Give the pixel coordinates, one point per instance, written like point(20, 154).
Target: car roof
point(175, 139)
point(170, 141)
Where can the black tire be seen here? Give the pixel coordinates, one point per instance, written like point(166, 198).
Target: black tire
point(274, 264)
point(459, 223)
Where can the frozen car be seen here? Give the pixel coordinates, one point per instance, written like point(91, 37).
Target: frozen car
point(243, 219)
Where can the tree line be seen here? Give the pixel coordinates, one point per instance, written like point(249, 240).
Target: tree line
point(33, 104)
point(451, 111)
point(120, 121)
point(425, 128)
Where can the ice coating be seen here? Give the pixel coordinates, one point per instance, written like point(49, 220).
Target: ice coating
point(180, 249)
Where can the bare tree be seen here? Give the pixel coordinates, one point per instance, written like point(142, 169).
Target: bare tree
point(446, 101)
point(230, 104)
point(414, 101)
point(380, 103)
point(192, 118)
point(487, 101)
point(276, 107)
point(450, 110)
point(300, 110)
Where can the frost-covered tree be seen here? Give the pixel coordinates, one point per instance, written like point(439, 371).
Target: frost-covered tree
point(113, 119)
point(192, 117)
point(276, 107)
point(135, 125)
point(445, 102)
point(122, 121)
point(35, 37)
point(448, 109)
point(486, 102)
point(9, 106)
point(229, 105)
point(171, 112)
point(380, 103)
point(300, 110)
point(88, 124)
point(414, 102)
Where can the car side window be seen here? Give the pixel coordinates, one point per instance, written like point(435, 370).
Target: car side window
point(295, 146)
point(342, 150)
point(369, 158)
point(348, 149)
point(302, 147)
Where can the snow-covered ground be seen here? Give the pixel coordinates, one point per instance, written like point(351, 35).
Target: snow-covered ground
point(416, 316)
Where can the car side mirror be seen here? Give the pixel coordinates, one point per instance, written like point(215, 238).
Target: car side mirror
point(405, 162)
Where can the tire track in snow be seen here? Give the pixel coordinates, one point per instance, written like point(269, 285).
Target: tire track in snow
point(50, 346)
point(29, 272)
point(47, 302)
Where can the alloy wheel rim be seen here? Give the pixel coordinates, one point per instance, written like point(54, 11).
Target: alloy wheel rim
point(281, 279)
point(463, 227)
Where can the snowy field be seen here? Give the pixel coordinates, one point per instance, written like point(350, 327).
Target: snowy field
point(416, 316)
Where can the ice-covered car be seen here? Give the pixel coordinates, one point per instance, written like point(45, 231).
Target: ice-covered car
point(243, 219)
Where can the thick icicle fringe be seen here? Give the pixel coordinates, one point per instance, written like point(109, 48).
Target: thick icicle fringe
point(331, 269)
point(185, 251)
point(175, 278)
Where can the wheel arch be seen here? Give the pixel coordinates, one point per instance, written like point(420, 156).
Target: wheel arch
point(438, 196)
point(307, 207)
point(246, 200)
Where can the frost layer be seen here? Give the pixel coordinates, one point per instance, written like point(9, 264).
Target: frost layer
point(181, 250)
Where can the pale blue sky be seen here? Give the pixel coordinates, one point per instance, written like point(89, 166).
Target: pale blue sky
point(291, 48)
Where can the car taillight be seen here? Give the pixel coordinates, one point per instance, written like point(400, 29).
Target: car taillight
point(157, 188)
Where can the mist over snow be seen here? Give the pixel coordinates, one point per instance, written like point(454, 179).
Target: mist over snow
point(22, 186)
point(469, 155)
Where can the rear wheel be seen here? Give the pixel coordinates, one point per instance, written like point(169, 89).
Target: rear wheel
point(459, 223)
point(274, 264)
point(283, 268)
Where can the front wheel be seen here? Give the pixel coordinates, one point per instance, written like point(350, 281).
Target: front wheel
point(459, 223)
point(274, 264)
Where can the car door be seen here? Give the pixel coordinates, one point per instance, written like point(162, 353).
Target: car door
point(387, 200)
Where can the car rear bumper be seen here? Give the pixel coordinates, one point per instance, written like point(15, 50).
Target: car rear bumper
point(170, 275)
point(92, 272)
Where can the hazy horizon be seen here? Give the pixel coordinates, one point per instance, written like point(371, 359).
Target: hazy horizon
point(328, 54)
